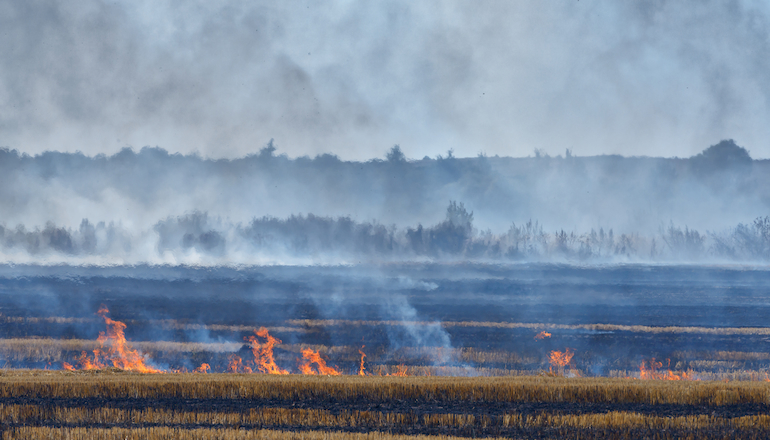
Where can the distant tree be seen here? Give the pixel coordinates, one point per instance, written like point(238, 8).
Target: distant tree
point(268, 150)
point(395, 155)
point(722, 156)
point(453, 234)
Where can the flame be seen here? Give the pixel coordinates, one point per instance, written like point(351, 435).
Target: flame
point(542, 335)
point(113, 349)
point(648, 370)
point(560, 360)
point(400, 371)
point(204, 368)
point(312, 357)
point(263, 352)
point(363, 355)
point(236, 365)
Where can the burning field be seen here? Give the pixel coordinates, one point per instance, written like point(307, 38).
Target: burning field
point(281, 356)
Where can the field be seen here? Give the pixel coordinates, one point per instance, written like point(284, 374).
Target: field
point(524, 407)
point(341, 352)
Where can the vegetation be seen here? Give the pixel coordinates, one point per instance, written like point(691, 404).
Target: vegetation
point(111, 404)
point(163, 433)
point(117, 384)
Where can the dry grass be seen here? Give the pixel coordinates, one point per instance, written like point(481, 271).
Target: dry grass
point(314, 418)
point(160, 323)
point(302, 325)
point(735, 356)
point(308, 323)
point(55, 350)
point(425, 396)
point(163, 433)
point(49, 384)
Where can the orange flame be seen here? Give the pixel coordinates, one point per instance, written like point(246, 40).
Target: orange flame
point(263, 352)
point(560, 360)
point(236, 365)
point(363, 355)
point(400, 371)
point(204, 368)
point(648, 370)
point(312, 357)
point(113, 349)
point(542, 335)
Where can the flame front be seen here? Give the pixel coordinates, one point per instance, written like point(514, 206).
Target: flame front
point(542, 335)
point(313, 357)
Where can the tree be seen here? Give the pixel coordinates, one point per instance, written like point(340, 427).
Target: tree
point(395, 155)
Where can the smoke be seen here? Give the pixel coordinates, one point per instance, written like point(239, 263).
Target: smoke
point(155, 208)
point(411, 335)
point(637, 77)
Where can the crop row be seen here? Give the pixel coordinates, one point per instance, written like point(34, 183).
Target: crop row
point(164, 433)
point(108, 384)
point(302, 325)
point(317, 418)
point(759, 331)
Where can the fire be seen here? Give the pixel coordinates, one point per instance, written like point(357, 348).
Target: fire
point(236, 365)
point(400, 371)
point(363, 355)
point(560, 360)
point(649, 371)
point(542, 335)
point(113, 349)
point(204, 368)
point(263, 352)
point(312, 357)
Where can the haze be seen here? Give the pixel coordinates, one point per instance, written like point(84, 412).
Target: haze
point(638, 78)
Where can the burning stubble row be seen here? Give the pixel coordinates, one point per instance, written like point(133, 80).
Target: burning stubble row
point(111, 349)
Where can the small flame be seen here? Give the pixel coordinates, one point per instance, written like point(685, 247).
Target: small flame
point(313, 357)
point(542, 335)
point(113, 349)
point(204, 368)
point(400, 371)
point(263, 352)
point(560, 360)
point(363, 355)
point(236, 365)
point(648, 370)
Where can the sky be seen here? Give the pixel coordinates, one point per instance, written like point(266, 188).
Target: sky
point(222, 78)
